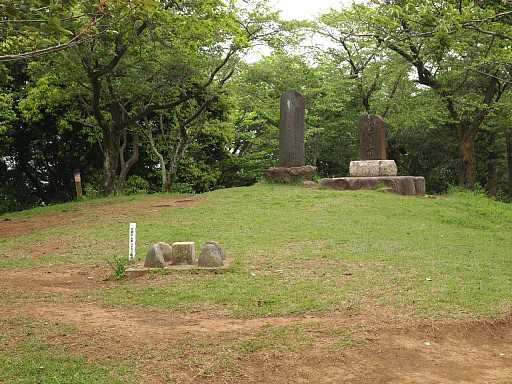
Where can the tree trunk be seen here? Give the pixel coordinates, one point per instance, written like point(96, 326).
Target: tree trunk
point(127, 165)
point(109, 172)
point(110, 146)
point(467, 162)
point(147, 131)
point(492, 184)
point(509, 162)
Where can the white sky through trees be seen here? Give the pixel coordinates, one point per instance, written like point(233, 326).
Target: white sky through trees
point(306, 9)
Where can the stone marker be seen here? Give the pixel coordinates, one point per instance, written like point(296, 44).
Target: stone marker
point(210, 257)
point(155, 257)
point(372, 168)
point(219, 248)
point(292, 152)
point(183, 253)
point(373, 137)
point(166, 251)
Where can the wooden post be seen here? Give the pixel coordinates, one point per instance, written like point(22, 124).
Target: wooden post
point(78, 183)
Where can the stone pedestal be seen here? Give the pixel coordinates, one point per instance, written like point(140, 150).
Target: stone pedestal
point(373, 168)
point(403, 185)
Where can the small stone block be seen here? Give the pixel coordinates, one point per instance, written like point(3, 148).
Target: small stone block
point(183, 253)
point(373, 168)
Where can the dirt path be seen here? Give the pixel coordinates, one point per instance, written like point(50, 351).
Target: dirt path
point(424, 352)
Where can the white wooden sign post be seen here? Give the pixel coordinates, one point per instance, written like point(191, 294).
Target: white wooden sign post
point(131, 248)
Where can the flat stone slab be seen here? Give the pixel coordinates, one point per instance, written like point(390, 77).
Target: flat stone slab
point(138, 269)
point(373, 168)
point(403, 185)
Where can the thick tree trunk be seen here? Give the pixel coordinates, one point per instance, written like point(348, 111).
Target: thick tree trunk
point(467, 162)
point(109, 171)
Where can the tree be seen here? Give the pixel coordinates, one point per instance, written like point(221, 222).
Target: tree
point(39, 27)
point(173, 61)
point(437, 38)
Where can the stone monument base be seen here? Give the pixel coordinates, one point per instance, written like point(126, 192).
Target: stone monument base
point(290, 174)
point(403, 185)
point(139, 269)
point(373, 168)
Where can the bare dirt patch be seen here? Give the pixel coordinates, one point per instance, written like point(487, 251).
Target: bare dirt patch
point(471, 351)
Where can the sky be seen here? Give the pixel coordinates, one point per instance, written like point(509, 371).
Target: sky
point(305, 9)
point(299, 10)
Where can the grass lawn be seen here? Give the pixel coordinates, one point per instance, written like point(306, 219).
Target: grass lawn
point(296, 252)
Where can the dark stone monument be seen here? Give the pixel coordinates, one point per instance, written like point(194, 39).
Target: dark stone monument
point(373, 138)
point(291, 130)
point(374, 169)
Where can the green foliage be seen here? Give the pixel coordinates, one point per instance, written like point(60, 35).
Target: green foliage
point(386, 43)
point(136, 185)
point(119, 269)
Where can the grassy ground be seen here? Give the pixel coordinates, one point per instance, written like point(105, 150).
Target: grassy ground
point(295, 251)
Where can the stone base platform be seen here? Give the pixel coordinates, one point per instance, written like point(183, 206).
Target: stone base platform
point(290, 174)
point(402, 185)
point(373, 168)
point(138, 269)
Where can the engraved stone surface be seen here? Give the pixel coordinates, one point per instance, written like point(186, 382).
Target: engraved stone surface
point(183, 253)
point(372, 137)
point(372, 168)
point(292, 152)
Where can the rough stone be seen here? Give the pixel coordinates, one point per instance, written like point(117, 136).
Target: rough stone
point(292, 151)
point(372, 138)
point(183, 253)
point(291, 174)
point(310, 184)
point(373, 168)
point(166, 250)
point(219, 248)
point(403, 185)
point(155, 257)
point(210, 257)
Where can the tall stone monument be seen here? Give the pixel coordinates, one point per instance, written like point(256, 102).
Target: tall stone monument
point(292, 152)
point(291, 130)
point(372, 137)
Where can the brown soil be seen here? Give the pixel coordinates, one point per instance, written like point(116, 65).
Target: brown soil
point(164, 342)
